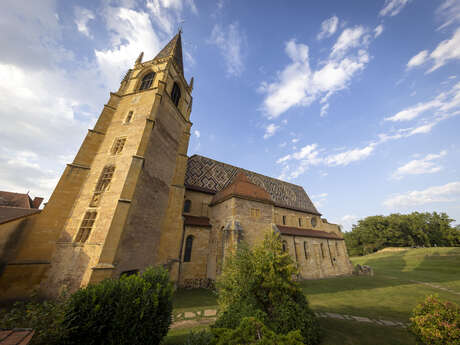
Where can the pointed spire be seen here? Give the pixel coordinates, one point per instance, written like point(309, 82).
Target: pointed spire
point(139, 58)
point(191, 84)
point(173, 49)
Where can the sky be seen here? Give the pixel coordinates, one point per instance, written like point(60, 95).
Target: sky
point(356, 101)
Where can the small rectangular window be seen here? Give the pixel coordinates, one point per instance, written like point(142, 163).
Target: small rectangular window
point(129, 117)
point(284, 220)
point(300, 222)
point(255, 212)
point(118, 145)
point(86, 226)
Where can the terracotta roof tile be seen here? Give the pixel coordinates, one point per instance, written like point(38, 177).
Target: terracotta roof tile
point(197, 221)
point(243, 188)
point(210, 176)
point(7, 214)
point(287, 230)
point(15, 199)
point(17, 336)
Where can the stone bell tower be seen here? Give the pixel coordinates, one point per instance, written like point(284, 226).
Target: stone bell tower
point(125, 188)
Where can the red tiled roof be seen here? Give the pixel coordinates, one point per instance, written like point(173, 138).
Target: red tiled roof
point(287, 230)
point(197, 221)
point(19, 200)
point(7, 214)
point(243, 188)
point(17, 336)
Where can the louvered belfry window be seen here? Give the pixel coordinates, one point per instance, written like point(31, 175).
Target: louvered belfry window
point(118, 146)
point(86, 226)
point(147, 81)
point(105, 178)
point(175, 94)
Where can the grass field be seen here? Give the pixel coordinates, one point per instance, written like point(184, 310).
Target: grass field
point(390, 294)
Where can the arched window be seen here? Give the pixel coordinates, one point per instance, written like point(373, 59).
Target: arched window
point(284, 246)
point(305, 250)
point(147, 81)
point(188, 248)
point(175, 94)
point(187, 206)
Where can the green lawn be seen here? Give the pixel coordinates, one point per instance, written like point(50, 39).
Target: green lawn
point(390, 294)
point(335, 332)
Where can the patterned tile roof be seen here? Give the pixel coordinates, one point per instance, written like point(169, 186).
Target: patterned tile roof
point(207, 175)
point(8, 214)
point(173, 48)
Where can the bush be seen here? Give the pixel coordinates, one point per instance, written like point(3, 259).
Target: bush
point(253, 331)
point(200, 338)
point(44, 317)
point(132, 310)
point(436, 322)
point(260, 283)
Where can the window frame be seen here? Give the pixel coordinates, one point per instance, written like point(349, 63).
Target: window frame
point(147, 83)
point(176, 94)
point(188, 248)
point(118, 146)
point(86, 227)
point(129, 117)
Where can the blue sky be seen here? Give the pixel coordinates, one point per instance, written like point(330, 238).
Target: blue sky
point(357, 101)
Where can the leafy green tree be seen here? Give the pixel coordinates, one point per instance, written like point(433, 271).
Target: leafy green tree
point(401, 230)
point(260, 283)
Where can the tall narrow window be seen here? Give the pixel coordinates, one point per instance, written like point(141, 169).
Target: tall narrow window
point(105, 178)
point(118, 145)
point(284, 220)
point(86, 226)
point(147, 81)
point(188, 248)
point(305, 250)
point(337, 248)
point(322, 250)
point(187, 206)
point(129, 117)
point(313, 221)
point(300, 222)
point(284, 246)
point(175, 94)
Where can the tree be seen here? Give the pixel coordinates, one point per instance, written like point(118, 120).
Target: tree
point(260, 283)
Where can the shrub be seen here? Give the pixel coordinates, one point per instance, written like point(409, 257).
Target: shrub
point(260, 283)
point(436, 322)
point(44, 317)
point(200, 338)
point(132, 310)
point(253, 331)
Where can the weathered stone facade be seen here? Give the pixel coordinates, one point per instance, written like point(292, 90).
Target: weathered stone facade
point(119, 207)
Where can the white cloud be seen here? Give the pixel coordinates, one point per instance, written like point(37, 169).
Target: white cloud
point(347, 157)
point(328, 27)
point(418, 59)
point(349, 38)
point(426, 165)
point(319, 199)
point(298, 85)
point(393, 7)
point(449, 12)
point(378, 31)
point(197, 133)
point(270, 130)
point(168, 13)
point(231, 41)
point(443, 103)
point(347, 221)
point(449, 192)
point(324, 109)
point(445, 52)
point(82, 17)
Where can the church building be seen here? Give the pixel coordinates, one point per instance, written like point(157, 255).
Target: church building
point(133, 198)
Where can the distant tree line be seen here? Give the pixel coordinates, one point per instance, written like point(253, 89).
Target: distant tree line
point(402, 230)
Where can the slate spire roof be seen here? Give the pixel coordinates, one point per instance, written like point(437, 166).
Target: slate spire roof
point(210, 176)
point(174, 49)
